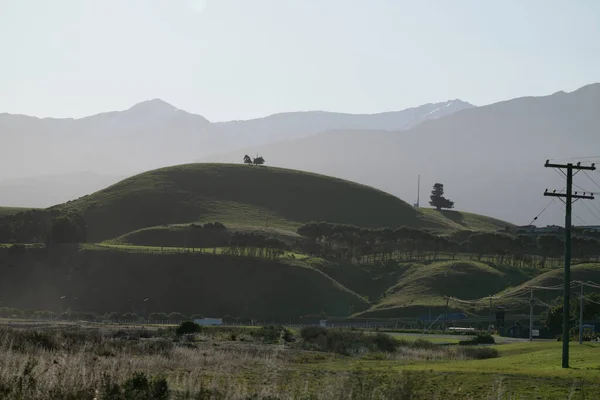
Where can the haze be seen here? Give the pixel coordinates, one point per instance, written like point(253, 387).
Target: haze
point(238, 59)
point(194, 80)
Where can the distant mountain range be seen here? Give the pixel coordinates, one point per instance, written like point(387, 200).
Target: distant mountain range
point(489, 158)
point(152, 134)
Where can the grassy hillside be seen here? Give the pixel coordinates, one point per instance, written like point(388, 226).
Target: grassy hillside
point(6, 211)
point(460, 220)
point(262, 196)
point(187, 235)
point(421, 286)
point(100, 279)
point(580, 272)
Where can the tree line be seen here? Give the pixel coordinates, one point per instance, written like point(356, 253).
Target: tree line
point(43, 226)
point(352, 243)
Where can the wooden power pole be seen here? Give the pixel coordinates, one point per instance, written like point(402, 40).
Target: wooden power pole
point(569, 197)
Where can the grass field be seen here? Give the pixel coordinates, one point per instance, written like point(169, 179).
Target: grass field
point(241, 363)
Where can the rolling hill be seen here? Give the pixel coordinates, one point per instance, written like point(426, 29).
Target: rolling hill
point(96, 279)
point(153, 134)
point(240, 194)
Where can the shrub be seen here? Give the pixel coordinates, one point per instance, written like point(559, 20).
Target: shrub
point(481, 338)
point(385, 343)
point(272, 334)
point(139, 387)
point(187, 327)
point(478, 353)
point(347, 342)
point(312, 332)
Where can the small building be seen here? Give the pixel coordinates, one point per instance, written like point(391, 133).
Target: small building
point(209, 321)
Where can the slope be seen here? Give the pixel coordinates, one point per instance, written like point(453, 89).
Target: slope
point(100, 280)
point(460, 220)
point(490, 159)
point(424, 286)
point(238, 194)
point(6, 211)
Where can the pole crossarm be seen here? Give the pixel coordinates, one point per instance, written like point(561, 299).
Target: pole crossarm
point(574, 166)
point(573, 196)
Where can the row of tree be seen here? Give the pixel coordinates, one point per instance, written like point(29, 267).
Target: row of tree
point(367, 245)
point(255, 245)
point(256, 161)
point(42, 226)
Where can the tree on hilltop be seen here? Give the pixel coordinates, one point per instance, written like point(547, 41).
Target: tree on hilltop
point(259, 161)
point(437, 198)
point(247, 159)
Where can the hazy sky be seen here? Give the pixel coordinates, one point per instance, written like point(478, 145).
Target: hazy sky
point(236, 59)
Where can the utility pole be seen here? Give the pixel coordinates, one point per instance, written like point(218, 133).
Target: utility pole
point(581, 314)
point(490, 317)
point(531, 316)
point(569, 196)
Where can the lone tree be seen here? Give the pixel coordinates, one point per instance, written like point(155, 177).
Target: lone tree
point(259, 161)
point(247, 159)
point(437, 198)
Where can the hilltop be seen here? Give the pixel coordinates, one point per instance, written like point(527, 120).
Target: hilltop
point(240, 194)
point(489, 158)
point(161, 135)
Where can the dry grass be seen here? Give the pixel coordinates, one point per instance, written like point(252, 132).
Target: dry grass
point(64, 364)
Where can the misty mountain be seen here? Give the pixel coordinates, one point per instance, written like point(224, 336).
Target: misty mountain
point(490, 159)
point(44, 190)
point(294, 125)
point(149, 135)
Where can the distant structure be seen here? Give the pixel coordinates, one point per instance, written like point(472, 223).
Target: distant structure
point(209, 321)
point(534, 230)
point(418, 191)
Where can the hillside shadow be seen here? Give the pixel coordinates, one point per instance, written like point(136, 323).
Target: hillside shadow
point(454, 216)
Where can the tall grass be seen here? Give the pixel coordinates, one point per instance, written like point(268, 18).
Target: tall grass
point(101, 365)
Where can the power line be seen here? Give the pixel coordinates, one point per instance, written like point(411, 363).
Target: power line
point(590, 211)
point(594, 206)
point(574, 215)
point(575, 158)
point(591, 179)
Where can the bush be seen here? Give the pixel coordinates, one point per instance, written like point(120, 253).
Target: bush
point(481, 338)
point(187, 327)
point(347, 342)
point(479, 353)
point(385, 343)
point(312, 332)
point(272, 334)
point(138, 387)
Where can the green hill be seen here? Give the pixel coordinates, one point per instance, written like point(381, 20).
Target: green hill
point(421, 286)
point(188, 235)
point(241, 194)
point(99, 279)
point(459, 220)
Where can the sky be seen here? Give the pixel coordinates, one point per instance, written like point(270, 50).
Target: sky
point(240, 59)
